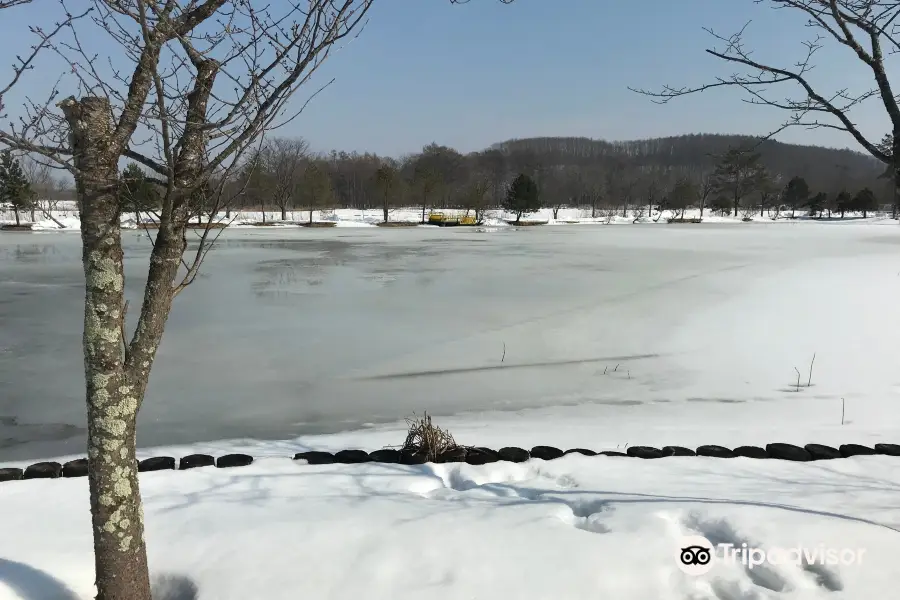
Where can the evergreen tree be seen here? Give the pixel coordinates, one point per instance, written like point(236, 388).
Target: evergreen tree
point(796, 194)
point(865, 201)
point(681, 196)
point(522, 196)
point(817, 204)
point(14, 186)
point(843, 202)
point(738, 174)
point(138, 192)
point(721, 205)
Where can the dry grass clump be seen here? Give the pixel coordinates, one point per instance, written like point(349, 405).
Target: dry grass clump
point(424, 437)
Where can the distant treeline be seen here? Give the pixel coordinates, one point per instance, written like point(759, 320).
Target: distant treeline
point(726, 172)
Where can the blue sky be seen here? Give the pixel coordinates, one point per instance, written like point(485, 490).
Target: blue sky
point(470, 75)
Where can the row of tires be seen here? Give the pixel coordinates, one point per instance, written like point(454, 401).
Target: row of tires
point(473, 456)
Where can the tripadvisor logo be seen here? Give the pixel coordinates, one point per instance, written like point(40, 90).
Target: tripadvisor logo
point(696, 555)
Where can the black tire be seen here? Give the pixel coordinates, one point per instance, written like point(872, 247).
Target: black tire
point(788, 452)
point(196, 461)
point(43, 470)
point(714, 451)
point(546, 452)
point(157, 463)
point(822, 452)
point(513, 454)
point(644, 452)
point(750, 452)
point(233, 460)
point(316, 457)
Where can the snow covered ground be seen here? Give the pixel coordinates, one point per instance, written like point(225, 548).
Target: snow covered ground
point(579, 527)
point(65, 217)
point(724, 352)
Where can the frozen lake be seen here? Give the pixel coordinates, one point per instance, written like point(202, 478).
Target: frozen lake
point(310, 331)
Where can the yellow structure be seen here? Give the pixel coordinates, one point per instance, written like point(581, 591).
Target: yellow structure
point(443, 220)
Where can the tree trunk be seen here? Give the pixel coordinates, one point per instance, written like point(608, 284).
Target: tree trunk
point(284, 213)
point(16, 212)
point(311, 216)
point(702, 206)
point(32, 213)
point(120, 555)
point(384, 209)
point(424, 204)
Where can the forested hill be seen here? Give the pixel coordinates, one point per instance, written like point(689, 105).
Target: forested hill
point(701, 152)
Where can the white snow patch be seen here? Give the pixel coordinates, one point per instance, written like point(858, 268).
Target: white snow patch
point(579, 527)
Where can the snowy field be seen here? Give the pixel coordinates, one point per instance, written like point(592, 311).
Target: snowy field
point(63, 216)
point(347, 330)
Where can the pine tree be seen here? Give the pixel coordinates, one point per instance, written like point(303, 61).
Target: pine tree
point(737, 175)
point(522, 196)
point(681, 196)
point(796, 194)
point(865, 201)
point(817, 204)
point(14, 186)
point(138, 192)
point(843, 202)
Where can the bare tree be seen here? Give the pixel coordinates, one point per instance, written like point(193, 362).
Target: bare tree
point(282, 163)
point(316, 188)
point(196, 115)
point(738, 174)
point(427, 178)
point(39, 174)
point(704, 185)
point(869, 29)
point(769, 188)
point(62, 191)
point(388, 182)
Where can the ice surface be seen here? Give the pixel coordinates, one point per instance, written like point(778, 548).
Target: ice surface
point(303, 331)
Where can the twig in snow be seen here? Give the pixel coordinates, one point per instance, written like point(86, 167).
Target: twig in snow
point(629, 373)
point(809, 381)
point(616, 369)
point(842, 411)
point(798, 379)
point(502, 358)
point(605, 369)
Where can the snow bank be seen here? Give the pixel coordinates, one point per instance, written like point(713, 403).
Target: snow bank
point(578, 527)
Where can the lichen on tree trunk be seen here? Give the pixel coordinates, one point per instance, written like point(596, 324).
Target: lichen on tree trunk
point(112, 400)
